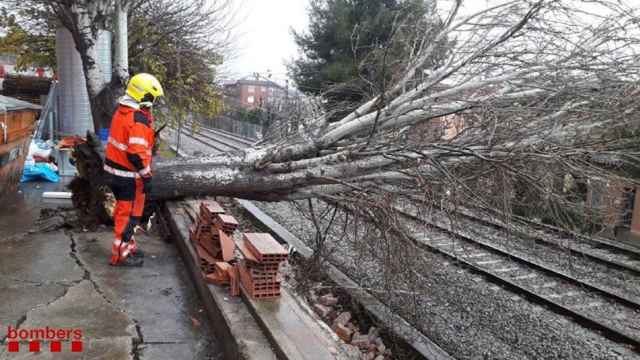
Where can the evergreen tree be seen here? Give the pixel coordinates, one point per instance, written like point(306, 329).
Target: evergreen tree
point(351, 47)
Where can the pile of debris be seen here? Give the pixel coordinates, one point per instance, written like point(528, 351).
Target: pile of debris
point(258, 270)
point(369, 343)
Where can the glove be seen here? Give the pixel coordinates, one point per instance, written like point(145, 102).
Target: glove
point(146, 183)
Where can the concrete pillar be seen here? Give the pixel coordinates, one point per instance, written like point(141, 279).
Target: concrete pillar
point(74, 111)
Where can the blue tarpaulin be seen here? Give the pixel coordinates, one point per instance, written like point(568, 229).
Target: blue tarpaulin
point(39, 171)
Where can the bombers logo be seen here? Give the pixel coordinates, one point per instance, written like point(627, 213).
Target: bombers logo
point(35, 336)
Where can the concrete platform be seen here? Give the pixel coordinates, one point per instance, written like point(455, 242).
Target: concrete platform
point(239, 334)
point(62, 280)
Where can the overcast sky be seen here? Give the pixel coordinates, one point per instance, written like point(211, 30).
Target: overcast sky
point(263, 40)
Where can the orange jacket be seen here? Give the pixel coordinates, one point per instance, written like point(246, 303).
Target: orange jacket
point(131, 140)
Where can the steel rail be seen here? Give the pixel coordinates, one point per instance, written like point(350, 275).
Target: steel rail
point(587, 320)
point(575, 250)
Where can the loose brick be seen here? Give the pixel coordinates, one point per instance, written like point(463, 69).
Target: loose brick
point(343, 333)
point(217, 279)
point(210, 207)
point(227, 246)
point(226, 223)
point(352, 326)
point(322, 310)
point(342, 319)
point(328, 300)
point(369, 356)
point(361, 341)
point(352, 352)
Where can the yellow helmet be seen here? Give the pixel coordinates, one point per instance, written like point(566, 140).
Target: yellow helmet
point(144, 88)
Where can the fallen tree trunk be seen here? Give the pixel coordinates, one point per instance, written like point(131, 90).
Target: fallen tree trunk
point(508, 106)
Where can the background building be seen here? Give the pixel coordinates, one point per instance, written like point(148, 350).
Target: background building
point(252, 93)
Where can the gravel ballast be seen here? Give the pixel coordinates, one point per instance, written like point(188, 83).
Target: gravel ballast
point(468, 316)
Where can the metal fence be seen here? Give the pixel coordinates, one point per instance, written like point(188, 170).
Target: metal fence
point(243, 128)
point(48, 126)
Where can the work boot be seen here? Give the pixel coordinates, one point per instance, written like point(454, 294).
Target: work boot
point(133, 248)
point(130, 261)
point(121, 254)
point(137, 254)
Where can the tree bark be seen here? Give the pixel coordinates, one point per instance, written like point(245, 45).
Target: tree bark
point(121, 43)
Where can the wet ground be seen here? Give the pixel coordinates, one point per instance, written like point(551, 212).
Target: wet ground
point(60, 280)
point(19, 211)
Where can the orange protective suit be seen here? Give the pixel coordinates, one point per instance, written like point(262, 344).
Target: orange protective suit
point(128, 164)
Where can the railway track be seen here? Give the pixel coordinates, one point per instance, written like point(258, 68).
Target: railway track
point(600, 250)
point(615, 315)
point(232, 138)
point(215, 140)
point(559, 253)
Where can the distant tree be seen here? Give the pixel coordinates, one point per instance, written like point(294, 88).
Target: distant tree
point(352, 47)
point(31, 48)
point(180, 43)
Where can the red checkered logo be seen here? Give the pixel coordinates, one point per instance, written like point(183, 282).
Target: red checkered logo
point(58, 339)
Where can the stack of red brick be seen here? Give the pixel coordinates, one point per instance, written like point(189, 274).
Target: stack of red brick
point(259, 270)
point(212, 239)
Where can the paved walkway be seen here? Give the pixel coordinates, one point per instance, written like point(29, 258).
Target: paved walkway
point(59, 284)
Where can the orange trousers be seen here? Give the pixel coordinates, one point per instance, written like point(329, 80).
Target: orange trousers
point(129, 208)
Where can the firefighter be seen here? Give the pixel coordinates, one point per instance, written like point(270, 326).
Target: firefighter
point(128, 164)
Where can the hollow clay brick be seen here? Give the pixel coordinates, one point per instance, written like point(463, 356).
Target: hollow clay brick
point(265, 248)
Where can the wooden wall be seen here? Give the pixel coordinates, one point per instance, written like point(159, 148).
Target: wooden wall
point(20, 127)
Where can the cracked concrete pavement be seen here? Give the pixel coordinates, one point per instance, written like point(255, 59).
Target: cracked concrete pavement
point(62, 280)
